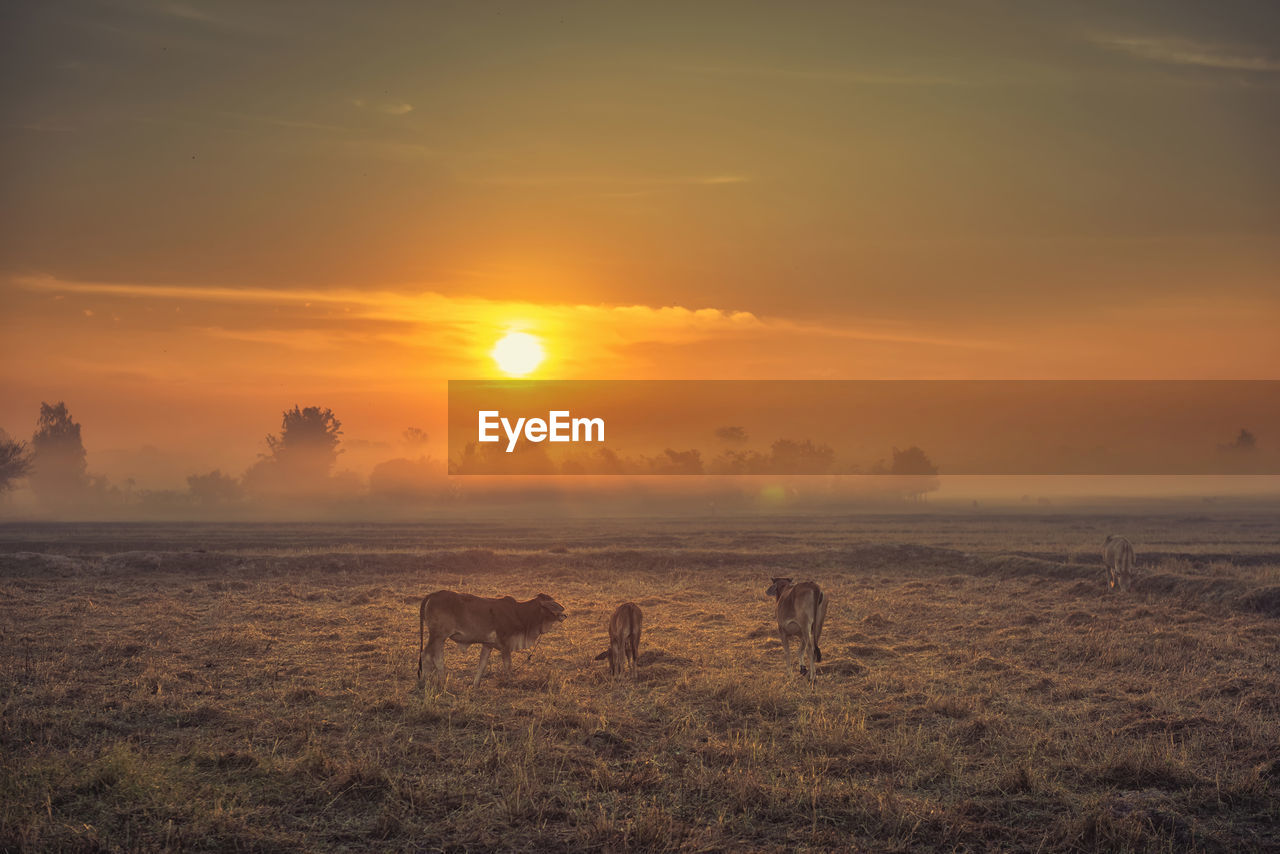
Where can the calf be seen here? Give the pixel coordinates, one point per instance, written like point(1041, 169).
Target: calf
point(624, 639)
point(502, 624)
point(801, 611)
point(1117, 554)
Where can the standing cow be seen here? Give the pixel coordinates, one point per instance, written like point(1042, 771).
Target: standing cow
point(801, 611)
point(1117, 554)
point(502, 624)
point(624, 639)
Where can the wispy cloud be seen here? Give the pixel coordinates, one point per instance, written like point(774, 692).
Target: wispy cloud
point(298, 124)
point(39, 126)
point(202, 293)
point(823, 75)
point(475, 318)
point(390, 108)
point(1178, 51)
point(359, 141)
point(245, 20)
point(629, 182)
point(186, 12)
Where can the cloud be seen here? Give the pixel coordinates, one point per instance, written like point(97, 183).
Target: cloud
point(185, 12)
point(637, 183)
point(823, 75)
point(391, 108)
point(1177, 51)
point(355, 140)
point(245, 20)
point(38, 126)
point(465, 318)
point(721, 179)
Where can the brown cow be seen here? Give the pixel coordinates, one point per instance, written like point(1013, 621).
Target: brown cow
point(1117, 554)
point(624, 639)
point(502, 624)
point(801, 611)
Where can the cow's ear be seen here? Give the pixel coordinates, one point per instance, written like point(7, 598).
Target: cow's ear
point(604, 656)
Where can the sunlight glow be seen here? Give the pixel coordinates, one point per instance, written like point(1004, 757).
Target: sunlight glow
point(518, 353)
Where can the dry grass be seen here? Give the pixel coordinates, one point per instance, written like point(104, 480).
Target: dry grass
point(259, 697)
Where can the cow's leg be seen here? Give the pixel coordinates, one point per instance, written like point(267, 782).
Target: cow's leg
point(817, 629)
point(810, 644)
point(786, 648)
point(806, 647)
point(434, 656)
point(484, 662)
point(506, 663)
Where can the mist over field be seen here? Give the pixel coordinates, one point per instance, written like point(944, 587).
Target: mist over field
point(310, 469)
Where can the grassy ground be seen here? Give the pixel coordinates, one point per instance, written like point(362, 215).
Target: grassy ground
point(250, 688)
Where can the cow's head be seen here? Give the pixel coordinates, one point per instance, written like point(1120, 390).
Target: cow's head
point(778, 585)
point(551, 607)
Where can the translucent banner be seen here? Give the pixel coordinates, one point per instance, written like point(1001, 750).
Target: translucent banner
point(864, 427)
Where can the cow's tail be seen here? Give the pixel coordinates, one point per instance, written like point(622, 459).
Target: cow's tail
point(817, 653)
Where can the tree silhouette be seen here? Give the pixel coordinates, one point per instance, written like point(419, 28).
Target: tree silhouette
point(59, 470)
point(677, 462)
point(214, 488)
point(731, 434)
point(786, 456)
point(308, 438)
point(414, 437)
point(15, 461)
point(912, 461)
point(301, 458)
point(493, 458)
point(598, 461)
point(805, 457)
point(915, 474)
point(1241, 455)
point(741, 462)
point(406, 479)
point(1244, 443)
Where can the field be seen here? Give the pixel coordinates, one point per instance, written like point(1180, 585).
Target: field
point(252, 688)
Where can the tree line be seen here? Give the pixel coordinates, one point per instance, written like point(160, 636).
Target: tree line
point(300, 461)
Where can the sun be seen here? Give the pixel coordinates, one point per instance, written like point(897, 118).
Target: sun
point(518, 353)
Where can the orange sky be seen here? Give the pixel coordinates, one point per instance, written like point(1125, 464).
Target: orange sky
point(212, 212)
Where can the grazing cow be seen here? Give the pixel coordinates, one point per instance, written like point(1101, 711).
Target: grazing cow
point(502, 624)
point(624, 639)
point(1117, 554)
point(801, 611)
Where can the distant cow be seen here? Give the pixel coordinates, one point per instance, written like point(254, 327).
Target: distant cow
point(801, 611)
point(624, 639)
point(502, 624)
point(1117, 554)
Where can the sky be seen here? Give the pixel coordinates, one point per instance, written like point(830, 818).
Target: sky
point(212, 211)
